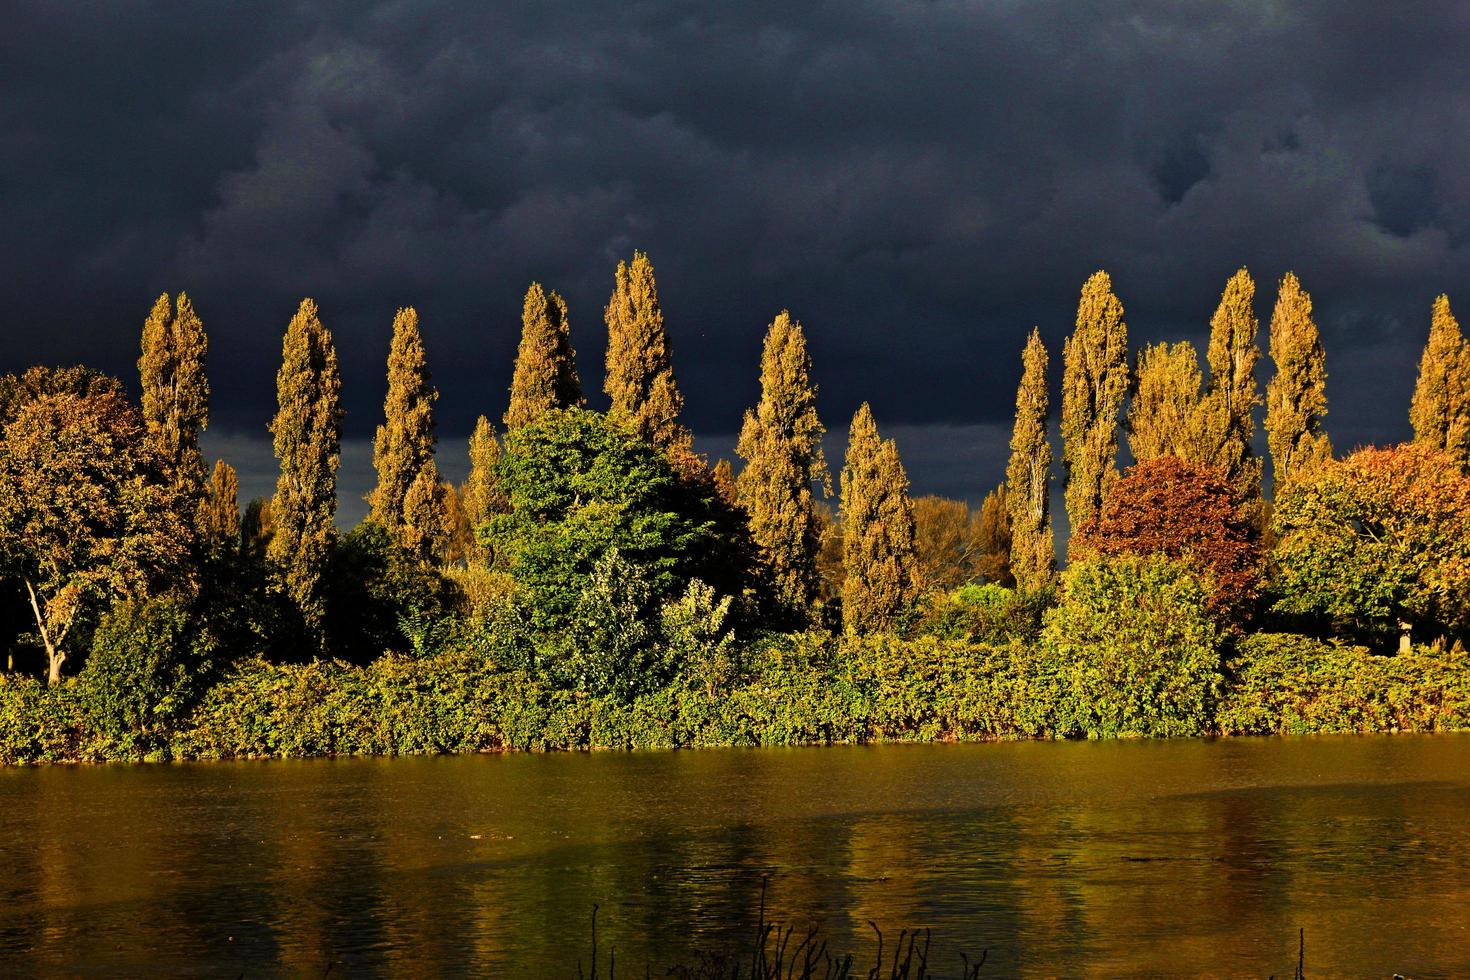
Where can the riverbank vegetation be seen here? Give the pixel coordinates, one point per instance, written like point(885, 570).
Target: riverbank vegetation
point(596, 583)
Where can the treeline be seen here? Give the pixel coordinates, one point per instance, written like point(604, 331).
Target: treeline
point(595, 553)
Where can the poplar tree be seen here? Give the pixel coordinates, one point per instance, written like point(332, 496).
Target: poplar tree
point(877, 530)
point(1094, 381)
point(1028, 477)
point(993, 538)
point(219, 515)
point(425, 530)
point(175, 391)
point(723, 479)
point(1296, 397)
point(546, 365)
point(480, 495)
point(781, 443)
point(1226, 420)
point(404, 445)
point(640, 372)
point(1440, 411)
point(1163, 416)
point(308, 432)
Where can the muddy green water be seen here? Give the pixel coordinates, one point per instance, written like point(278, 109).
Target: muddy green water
point(1130, 858)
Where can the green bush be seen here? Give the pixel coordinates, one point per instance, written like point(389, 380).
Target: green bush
point(148, 664)
point(986, 613)
point(1283, 684)
point(1131, 650)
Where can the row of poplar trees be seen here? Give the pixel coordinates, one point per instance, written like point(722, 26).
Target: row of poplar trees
point(780, 444)
point(1175, 410)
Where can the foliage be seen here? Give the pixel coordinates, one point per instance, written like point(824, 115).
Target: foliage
point(1094, 381)
point(1227, 420)
point(481, 496)
point(175, 391)
point(877, 530)
point(640, 371)
point(946, 543)
point(18, 390)
point(1380, 537)
point(1440, 411)
point(1164, 411)
point(381, 598)
point(308, 432)
point(1132, 649)
point(86, 513)
point(700, 646)
point(1028, 475)
point(403, 447)
point(987, 613)
point(781, 443)
point(1296, 398)
point(219, 514)
point(545, 376)
point(993, 528)
point(1283, 684)
point(1167, 507)
point(150, 660)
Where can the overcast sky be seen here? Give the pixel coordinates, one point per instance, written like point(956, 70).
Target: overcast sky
point(918, 182)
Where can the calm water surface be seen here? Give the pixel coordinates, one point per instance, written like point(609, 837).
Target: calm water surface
point(1059, 858)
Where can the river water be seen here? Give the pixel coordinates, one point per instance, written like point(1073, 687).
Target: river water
point(1170, 857)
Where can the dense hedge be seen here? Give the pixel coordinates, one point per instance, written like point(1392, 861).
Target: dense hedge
point(802, 689)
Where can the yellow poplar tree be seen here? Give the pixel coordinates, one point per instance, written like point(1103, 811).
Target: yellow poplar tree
point(426, 530)
point(1028, 477)
point(781, 443)
point(403, 448)
point(640, 371)
point(308, 432)
point(1163, 415)
point(219, 521)
point(1094, 381)
point(1296, 397)
point(1440, 411)
point(545, 375)
point(1227, 422)
point(878, 556)
point(175, 391)
point(480, 496)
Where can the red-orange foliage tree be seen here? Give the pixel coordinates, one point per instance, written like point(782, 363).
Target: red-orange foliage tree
point(1166, 506)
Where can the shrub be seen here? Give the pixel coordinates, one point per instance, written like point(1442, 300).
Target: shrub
point(985, 614)
point(1131, 649)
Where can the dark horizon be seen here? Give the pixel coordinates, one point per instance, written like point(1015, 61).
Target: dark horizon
point(919, 185)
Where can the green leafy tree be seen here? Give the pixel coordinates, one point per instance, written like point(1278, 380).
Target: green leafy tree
point(1296, 397)
point(781, 443)
point(1227, 422)
point(176, 391)
point(403, 449)
point(1377, 542)
point(640, 371)
point(1028, 476)
point(1132, 649)
point(308, 432)
point(88, 514)
point(545, 375)
point(1094, 381)
point(1441, 408)
point(877, 530)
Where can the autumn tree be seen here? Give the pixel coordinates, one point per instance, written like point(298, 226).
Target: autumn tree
point(877, 530)
point(640, 372)
point(425, 532)
point(1440, 411)
point(1377, 542)
point(993, 538)
point(1094, 381)
point(175, 391)
point(89, 514)
point(723, 478)
point(781, 443)
point(1296, 397)
point(1168, 507)
point(1028, 476)
point(219, 517)
point(308, 431)
point(545, 375)
point(947, 543)
point(403, 449)
point(1163, 415)
point(480, 496)
point(1227, 422)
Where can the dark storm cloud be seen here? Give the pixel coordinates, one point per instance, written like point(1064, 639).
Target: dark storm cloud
point(918, 182)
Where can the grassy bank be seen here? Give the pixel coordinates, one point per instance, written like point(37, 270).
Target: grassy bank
point(786, 690)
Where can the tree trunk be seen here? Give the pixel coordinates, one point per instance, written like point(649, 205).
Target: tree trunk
point(54, 656)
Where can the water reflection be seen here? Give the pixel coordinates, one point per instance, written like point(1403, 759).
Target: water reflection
point(1170, 857)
